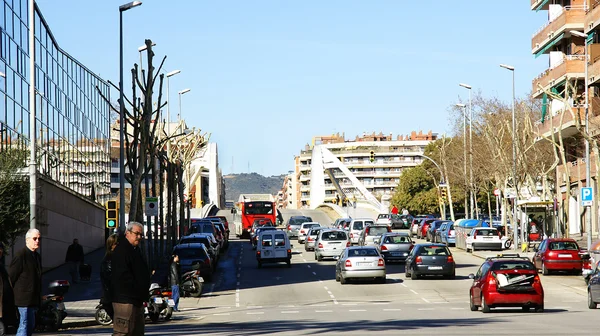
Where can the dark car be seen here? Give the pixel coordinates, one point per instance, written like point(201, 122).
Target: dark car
point(395, 246)
point(223, 220)
point(206, 226)
point(506, 281)
point(194, 253)
point(430, 259)
point(433, 227)
point(209, 241)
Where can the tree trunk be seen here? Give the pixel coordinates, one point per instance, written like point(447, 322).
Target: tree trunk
point(181, 202)
point(174, 227)
point(161, 212)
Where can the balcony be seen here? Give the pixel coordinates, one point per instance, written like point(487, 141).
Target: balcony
point(592, 18)
point(576, 170)
point(571, 66)
point(594, 68)
point(569, 18)
point(568, 127)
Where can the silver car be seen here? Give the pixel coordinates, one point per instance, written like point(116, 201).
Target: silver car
point(395, 246)
point(311, 238)
point(370, 233)
point(304, 227)
point(360, 262)
point(330, 243)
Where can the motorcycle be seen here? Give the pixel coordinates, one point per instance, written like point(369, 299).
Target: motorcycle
point(156, 304)
point(52, 311)
point(192, 282)
point(102, 316)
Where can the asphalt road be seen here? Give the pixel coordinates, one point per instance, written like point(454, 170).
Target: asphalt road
point(305, 300)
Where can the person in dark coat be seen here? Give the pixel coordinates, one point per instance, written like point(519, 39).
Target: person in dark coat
point(175, 276)
point(74, 258)
point(105, 274)
point(130, 280)
point(25, 273)
point(8, 314)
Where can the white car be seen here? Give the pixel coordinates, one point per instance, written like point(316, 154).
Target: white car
point(303, 230)
point(483, 238)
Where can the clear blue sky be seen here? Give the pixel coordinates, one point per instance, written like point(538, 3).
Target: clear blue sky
point(267, 76)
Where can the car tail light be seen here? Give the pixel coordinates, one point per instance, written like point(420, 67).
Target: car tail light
point(419, 260)
point(412, 245)
point(348, 244)
point(289, 251)
point(310, 238)
point(452, 232)
point(587, 264)
point(491, 281)
point(367, 230)
point(258, 253)
point(156, 292)
point(537, 280)
point(207, 261)
point(289, 228)
point(474, 234)
point(450, 259)
point(380, 262)
point(384, 248)
point(351, 235)
point(348, 263)
point(302, 231)
point(320, 245)
point(551, 254)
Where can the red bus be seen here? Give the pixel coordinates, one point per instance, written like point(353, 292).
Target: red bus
point(253, 210)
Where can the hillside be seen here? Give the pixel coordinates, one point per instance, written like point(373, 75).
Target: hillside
point(236, 184)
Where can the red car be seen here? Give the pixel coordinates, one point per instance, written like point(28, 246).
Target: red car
point(506, 281)
point(558, 254)
point(424, 227)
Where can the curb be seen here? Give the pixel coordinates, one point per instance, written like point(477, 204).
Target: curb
point(79, 324)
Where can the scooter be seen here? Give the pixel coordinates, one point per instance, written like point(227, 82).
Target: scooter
point(156, 304)
point(192, 282)
point(52, 310)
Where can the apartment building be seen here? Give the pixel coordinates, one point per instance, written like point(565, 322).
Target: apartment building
point(562, 40)
point(377, 160)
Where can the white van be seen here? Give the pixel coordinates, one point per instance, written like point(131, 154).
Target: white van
point(273, 246)
point(356, 227)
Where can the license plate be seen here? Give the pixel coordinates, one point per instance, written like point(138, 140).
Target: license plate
point(564, 256)
point(434, 268)
point(364, 264)
point(396, 253)
point(158, 300)
point(487, 238)
point(171, 302)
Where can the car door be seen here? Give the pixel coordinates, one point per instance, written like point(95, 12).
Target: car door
point(594, 283)
point(266, 245)
point(478, 282)
point(280, 248)
point(537, 257)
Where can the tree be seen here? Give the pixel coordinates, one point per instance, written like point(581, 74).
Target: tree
point(416, 191)
point(14, 194)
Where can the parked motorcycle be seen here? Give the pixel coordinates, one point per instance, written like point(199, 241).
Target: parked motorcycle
point(192, 282)
point(52, 311)
point(102, 316)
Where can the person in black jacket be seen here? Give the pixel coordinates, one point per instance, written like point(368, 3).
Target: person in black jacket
point(8, 314)
point(130, 280)
point(74, 258)
point(25, 273)
point(105, 274)
point(174, 275)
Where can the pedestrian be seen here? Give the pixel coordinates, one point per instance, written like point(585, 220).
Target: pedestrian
point(74, 259)
point(25, 273)
point(130, 280)
point(105, 274)
point(8, 314)
point(394, 210)
point(405, 212)
point(174, 274)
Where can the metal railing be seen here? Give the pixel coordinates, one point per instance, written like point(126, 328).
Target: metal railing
point(558, 14)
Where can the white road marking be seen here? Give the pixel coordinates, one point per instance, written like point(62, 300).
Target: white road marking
point(424, 299)
point(238, 275)
point(325, 287)
point(314, 273)
point(357, 310)
point(308, 266)
point(381, 303)
point(253, 307)
point(392, 309)
point(348, 304)
point(329, 292)
point(305, 261)
point(331, 296)
point(335, 301)
point(412, 290)
point(255, 313)
point(425, 309)
point(323, 311)
point(321, 281)
point(286, 306)
point(403, 284)
point(222, 314)
point(289, 311)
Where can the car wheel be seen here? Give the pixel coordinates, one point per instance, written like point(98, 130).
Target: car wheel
point(315, 256)
point(259, 264)
point(406, 274)
point(539, 309)
point(337, 276)
point(591, 303)
point(305, 248)
point(544, 269)
point(319, 258)
point(413, 275)
point(343, 280)
point(452, 276)
point(381, 280)
point(525, 308)
point(289, 263)
point(472, 304)
point(484, 307)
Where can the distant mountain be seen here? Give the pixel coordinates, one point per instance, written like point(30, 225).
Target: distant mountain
point(253, 183)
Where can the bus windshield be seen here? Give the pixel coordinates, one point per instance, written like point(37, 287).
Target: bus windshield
point(258, 208)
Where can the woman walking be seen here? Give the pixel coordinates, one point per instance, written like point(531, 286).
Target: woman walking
point(105, 274)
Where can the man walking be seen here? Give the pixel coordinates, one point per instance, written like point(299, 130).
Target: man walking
point(25, 273)
point(131, 281)
point(74, 258)
point(174, 271)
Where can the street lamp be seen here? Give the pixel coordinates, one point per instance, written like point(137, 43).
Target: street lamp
point(122, 8)
point(464, 107)
point(172, 73)
point(514, 149)
point(471, 192)
point(588, 217)
point(32, 121)
point(181, 93)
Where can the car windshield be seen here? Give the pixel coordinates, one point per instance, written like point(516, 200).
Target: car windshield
point(564, 245)
point(195, 240)
point(486, 232)
point(334, 236)
point(190, 253)
point(433, 251)
point(397, 240)
point(512, 265)
point(364, 252)
point(377, 230)
point(207, 228)
point(298, 221)
point(306, 226)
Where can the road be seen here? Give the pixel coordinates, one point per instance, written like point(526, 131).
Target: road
point(305, 299)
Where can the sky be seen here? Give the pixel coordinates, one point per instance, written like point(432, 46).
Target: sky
point(266, 76)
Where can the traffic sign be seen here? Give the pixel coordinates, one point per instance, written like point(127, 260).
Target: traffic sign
point(151, 206)
point(587, 196)
point(496, 192)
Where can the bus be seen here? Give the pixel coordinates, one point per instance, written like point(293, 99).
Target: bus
point(249, 211)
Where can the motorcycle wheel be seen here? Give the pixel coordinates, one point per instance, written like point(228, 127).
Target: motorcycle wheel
point(168, 313)
point(198, 287)
point(102, 317)
point(56, 321)
point(154, 316)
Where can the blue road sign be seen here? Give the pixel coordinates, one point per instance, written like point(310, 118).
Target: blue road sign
point(587, 196)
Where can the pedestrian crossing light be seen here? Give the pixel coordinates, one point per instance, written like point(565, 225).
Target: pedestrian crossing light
point(372, 158)
point(112, 215)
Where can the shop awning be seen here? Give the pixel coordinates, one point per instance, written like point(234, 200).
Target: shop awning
point(549, 45)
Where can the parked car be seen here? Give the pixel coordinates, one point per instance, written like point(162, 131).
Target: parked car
point(506, 281)
point(195, 253)
point(293, 225)
point(558, 254)
point(273, 246)
point(341, 222)
point(593, 287)
point(360, 262)
point(414, 226)
point(311, 238)
point(430, 259)
point(448, 236)
point(209, 241)
point(395, 246)
point(394, 221)
point(223, 220)
point(372, 232)
point(423, 227)
point(483, 238)
point(330, 243)
point(433, 227)
point(405, 221)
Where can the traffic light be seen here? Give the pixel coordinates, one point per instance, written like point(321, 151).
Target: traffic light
point(112, 215)
point(443, 193)
point(372, 158)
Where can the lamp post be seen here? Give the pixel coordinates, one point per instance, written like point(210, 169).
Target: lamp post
point(170, 74)
point(32, 121)
point(122, 8)
point(471, 192)
point(181, 93)
point(514, 150)
point(588, 216)
point(464, 107)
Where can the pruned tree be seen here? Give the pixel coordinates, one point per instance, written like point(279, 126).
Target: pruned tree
point(14, 191)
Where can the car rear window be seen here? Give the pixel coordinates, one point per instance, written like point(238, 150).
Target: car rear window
point(358, 225)
point(433, 251)
point(383, 216)
point(191, 253)
point(306, 226)
point(397, 240)
point(314, 232)
point(207, 228)
point(369, 222)
point(377, 231)
point(267, 240)
point(564, 245)
point(487, 232)
point(279, 239)
point(364, 252)
point(512, 265)
point(334, 236)
point(195, 240)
